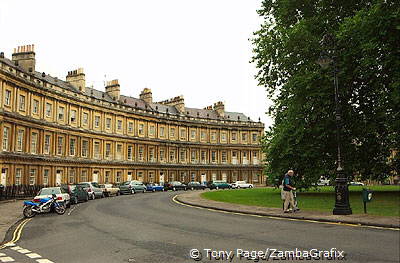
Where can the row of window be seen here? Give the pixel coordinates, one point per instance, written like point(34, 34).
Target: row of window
point(100, 149)
point(72, 177)
point(95, 120)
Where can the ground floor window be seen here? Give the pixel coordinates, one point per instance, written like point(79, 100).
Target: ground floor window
point(18, 176)
point(71, 176)
point(84, 177)
point(118, 177)
point(46, 173)
point(32, 177)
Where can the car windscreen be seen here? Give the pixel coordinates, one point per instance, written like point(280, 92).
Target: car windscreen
point(126, 183)
point(49, 191)
point(96, 185)
point(84, 185)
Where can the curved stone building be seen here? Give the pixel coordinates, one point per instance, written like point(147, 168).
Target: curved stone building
point(55, 131)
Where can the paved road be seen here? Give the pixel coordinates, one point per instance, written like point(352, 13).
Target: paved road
point(150, 227)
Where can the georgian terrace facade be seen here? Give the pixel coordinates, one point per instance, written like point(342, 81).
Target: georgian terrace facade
point(55, 131)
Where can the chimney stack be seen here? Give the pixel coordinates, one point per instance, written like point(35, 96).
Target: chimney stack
point(146, 95)
point(177, 102)
point(77, 79)
point(113, 89)
point(24, 56)
point(219, 107)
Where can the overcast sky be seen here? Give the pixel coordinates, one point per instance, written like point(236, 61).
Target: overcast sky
point(195, 48)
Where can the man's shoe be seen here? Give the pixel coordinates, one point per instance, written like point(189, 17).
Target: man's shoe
point(287, 211)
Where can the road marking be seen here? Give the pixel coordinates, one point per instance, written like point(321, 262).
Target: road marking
point(24, 251)
point(7, 259)
point(2, 255)
point(33, 255)
point(16, 248)
point(284, 218)
point(44, 261)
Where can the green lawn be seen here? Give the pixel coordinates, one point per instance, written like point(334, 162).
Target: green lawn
point(385, 200)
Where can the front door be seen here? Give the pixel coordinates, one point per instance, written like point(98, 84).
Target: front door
point(95, 177)
point(161, 178)
point(3, 178)
point(58, 177)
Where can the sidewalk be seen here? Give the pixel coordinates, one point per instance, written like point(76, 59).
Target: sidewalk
point(10, 213)
point(194, 198)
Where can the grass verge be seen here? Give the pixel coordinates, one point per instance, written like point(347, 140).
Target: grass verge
point(385, 200)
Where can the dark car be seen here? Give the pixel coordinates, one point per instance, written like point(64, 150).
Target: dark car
point(175, 186)
point(218, 185)
point(77, 193)
point(151, 187)
point(196, 186)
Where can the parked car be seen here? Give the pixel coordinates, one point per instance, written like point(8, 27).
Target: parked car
point(356, 184)
point(109, 190)
point(323, 181)
point(132, 187)
point(151, 187)
point(93, 189)
point(175, 186)
point(62, 195)
point(241, 184)
point(196, 186)
point(218, 185)
point(76, 192)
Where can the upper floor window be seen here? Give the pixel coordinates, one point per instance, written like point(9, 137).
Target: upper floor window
point(193, 134)
point(182, 155)
point(203, 135)
point(6, 133)
point(22, 102)
point(119, 125)
point(141, 153)
point(7, 98)
point(49, 109)
point(35, 107)
point(172, 156)
point(162, 155)
point(97, 121)
point(234, 136)
point(223, 136)
point(183, 133)
point(96, 150)
point(254, 137)
point(108, 150)
point(172, 132)
point(72, 146)
point(130, 152)
point(60, 113)
point(130, 127)
point(223, 157)
point(152, 130)
point(213, 136)
point(85, 148)
point(162, 131)
point(141, 128)
point(244, 137)
point(20, 140)
point(85, 118)
point(203, 156)
point(108, 123)
point(213, 156)
point(34, 139)
point(60, 145)
point(193, 156)
point(151, 155)
point(73, 115)
point(47, 142)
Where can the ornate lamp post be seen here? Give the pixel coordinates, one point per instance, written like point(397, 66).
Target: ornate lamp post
point(328, 58)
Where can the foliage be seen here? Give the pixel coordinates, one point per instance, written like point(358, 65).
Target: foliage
point(286, 49)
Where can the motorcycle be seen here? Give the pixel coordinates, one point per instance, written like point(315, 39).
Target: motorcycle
point(45, 205)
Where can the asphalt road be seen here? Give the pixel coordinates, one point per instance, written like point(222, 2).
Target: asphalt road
point(151, 227)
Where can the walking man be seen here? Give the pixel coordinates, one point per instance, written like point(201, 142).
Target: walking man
point(287, 190)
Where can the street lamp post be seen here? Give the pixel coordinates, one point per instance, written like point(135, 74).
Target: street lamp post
point(327, 58)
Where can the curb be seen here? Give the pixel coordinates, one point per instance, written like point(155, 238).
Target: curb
point(9, 231)
point(394, 227)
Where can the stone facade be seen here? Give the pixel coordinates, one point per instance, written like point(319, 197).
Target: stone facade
point(55, 131)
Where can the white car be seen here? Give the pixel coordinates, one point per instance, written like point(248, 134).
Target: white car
point(242, 184)
point(62, 195)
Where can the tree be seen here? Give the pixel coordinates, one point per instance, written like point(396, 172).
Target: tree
point(285, 50)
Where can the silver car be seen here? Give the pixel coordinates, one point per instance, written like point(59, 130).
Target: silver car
point(93, 189)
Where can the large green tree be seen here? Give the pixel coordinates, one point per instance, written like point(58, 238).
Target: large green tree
point(286, 49)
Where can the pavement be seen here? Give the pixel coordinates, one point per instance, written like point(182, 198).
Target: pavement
point(10, 213)
point(194, 199)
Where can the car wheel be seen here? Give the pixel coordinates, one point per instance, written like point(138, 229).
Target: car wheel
point(102, 195)
point(93, 196)
point(173, 189)
point(192, 188)
point(250, 186)
point(144, 190)
point(68, 204)
point(154, 190)
point(76, 200)
point(118, 193)
point(133, 191)
point(87, 198)
point(216, 188)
